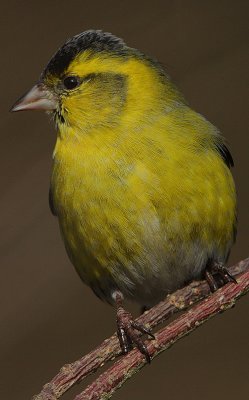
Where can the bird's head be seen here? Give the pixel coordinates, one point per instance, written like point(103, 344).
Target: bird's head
point(95, 80)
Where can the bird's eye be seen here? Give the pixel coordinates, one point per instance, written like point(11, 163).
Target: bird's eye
point(71, 82)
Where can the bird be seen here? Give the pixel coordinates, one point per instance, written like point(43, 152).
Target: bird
point(141, 183)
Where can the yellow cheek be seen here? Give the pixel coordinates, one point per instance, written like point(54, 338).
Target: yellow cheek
point(142, 96)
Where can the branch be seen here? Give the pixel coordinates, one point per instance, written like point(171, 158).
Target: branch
point(115, 376)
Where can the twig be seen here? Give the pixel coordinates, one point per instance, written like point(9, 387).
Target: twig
point(115, 376)
point(125, 368)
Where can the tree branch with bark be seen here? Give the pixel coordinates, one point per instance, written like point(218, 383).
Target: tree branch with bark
point(200, 306)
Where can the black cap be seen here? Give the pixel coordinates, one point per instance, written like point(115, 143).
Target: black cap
point(96, 40)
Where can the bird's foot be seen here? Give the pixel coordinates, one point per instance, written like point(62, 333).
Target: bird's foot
point(217, 275)
point(129, 331)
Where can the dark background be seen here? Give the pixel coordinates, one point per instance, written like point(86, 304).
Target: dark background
point(48, 317)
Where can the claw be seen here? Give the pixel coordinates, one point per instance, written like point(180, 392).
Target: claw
point(123, 340)
point(141, 328)
point(126, 330)
point(219, 269)
point(143, 349)
point(230, 277)
point(211, 281)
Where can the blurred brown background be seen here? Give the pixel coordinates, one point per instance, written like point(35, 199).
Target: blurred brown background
point(48, 317)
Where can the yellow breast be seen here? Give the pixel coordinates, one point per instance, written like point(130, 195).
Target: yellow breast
point(134, 206)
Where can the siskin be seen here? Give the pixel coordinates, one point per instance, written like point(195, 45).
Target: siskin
point(140, 183)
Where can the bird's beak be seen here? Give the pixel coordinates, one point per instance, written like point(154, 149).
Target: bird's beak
point(38, 98)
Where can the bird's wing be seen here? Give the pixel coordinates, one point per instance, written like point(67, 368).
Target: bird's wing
point(51, 202)
point(225, 154)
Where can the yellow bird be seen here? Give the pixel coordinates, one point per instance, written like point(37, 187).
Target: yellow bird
point(141, 183)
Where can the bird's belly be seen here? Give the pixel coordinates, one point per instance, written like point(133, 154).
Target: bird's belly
point(113, 249)
point(130, 237)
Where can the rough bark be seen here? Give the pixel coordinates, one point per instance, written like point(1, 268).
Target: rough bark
point(107, 383)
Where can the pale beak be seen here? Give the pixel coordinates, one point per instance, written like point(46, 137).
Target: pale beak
point(38, 98)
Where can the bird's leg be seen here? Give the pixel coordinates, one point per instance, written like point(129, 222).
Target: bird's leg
point(215, 268)
point(219, 269)
point(128, 330)
point(211, 281)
